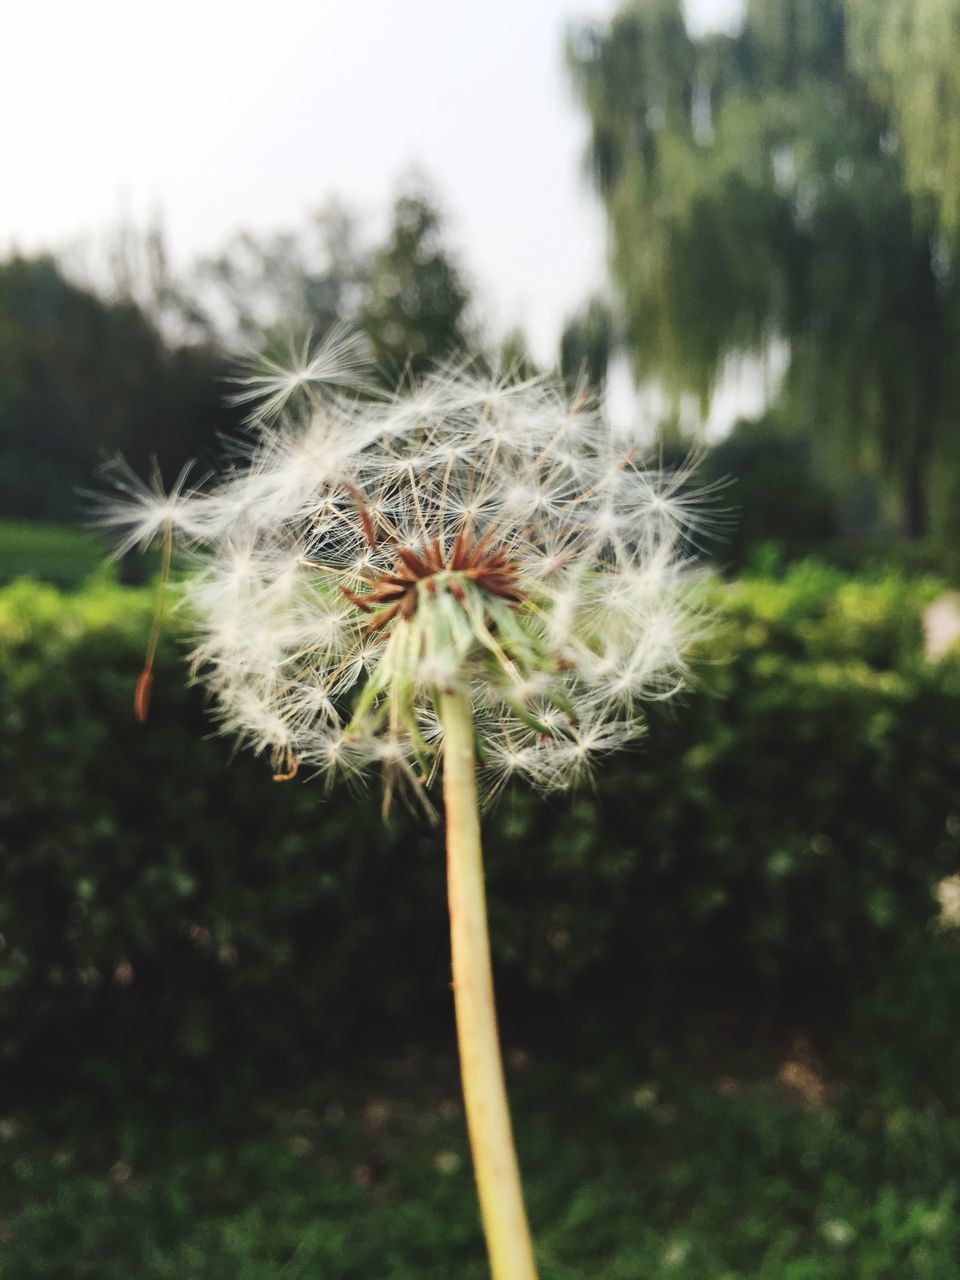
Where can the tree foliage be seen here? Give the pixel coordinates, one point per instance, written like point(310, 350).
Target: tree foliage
point(302, 279)
point(755, 189)
point(138, 364)
point(83, 378)
point(586, 345)
point(407, 293)
point(909, 52)
point(415, 300)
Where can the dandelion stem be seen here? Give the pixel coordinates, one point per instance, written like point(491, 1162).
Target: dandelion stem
point(141, 698)
point(488, 1117)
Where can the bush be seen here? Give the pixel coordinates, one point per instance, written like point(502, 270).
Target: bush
point(776, 492)
point(777, 837)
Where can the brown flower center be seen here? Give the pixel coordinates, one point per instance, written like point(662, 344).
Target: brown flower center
point(393, 593)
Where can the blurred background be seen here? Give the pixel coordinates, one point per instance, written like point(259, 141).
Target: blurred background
point(728, 971)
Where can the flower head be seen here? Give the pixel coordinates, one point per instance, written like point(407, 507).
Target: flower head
point(465, 534)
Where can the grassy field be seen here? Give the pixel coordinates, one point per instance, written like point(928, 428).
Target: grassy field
point(54, 553)
point(631, 1175)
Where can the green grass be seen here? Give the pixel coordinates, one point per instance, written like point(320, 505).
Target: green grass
point(366, 1176)
point(52, 552)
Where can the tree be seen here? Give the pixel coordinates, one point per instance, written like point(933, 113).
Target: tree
point(774, 495)
point(586, 344)
point(83, 378)
point(512, 359)
point(138, 363)
point(414, 307)
point(755, 189)
point(301, 281)
point(909, 53)
point(407, 294)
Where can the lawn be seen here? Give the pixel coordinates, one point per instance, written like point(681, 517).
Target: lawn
point(52, 552)
point(364, 1175)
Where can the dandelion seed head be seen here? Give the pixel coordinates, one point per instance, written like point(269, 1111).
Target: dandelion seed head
point(368, 554)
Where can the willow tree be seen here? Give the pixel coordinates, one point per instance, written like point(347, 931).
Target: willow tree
point(909, 52)
point(755, 189)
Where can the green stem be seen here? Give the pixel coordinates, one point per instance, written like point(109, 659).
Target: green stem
point(485, 1097)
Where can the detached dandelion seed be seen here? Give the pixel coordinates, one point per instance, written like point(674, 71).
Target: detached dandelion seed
point(470, 575)
point(268, 384)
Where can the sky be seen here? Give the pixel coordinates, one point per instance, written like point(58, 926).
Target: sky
point(221, 115)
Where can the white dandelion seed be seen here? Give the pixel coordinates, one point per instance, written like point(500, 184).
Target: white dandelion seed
point(268, 384)
point(137, 512)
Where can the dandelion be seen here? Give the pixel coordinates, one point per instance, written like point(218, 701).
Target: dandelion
point(468, 575)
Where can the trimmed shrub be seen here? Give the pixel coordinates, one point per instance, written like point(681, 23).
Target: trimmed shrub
point(776, 838)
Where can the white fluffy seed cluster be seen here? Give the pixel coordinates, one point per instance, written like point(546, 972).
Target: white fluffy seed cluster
point(469, 534)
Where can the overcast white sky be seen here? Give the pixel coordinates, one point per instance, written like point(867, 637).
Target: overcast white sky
point(228, 114)
point(221, 115)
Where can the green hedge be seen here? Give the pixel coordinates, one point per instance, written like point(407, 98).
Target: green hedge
point(776, 837)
